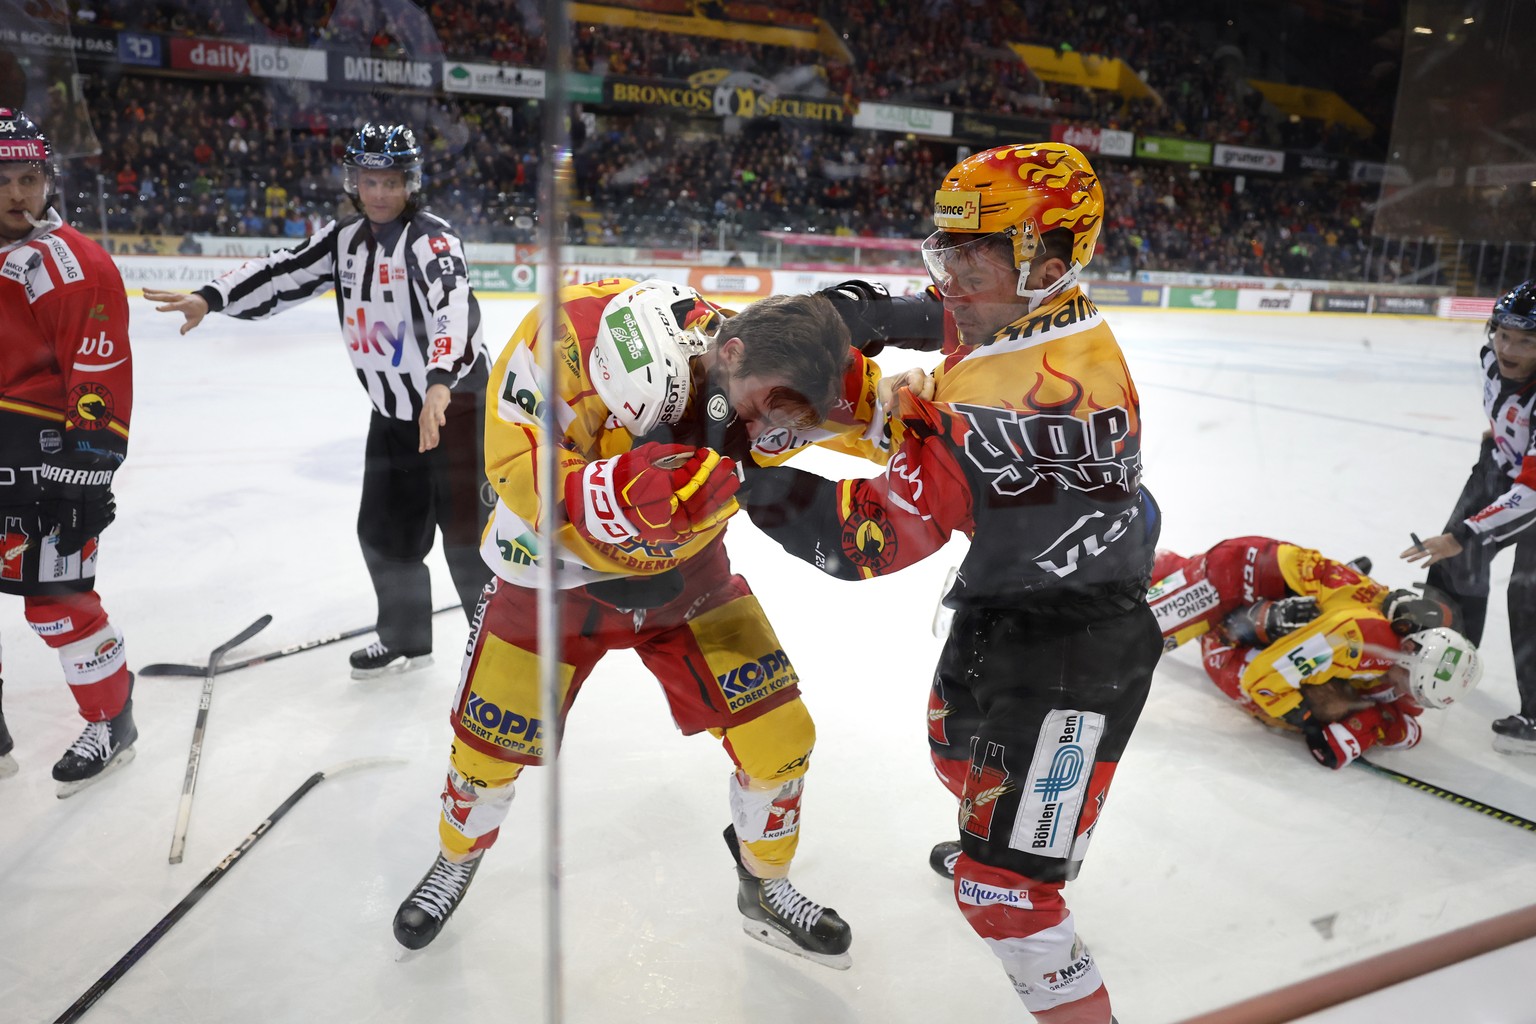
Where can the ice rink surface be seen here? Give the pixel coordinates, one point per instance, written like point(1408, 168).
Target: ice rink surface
point(1227, 862)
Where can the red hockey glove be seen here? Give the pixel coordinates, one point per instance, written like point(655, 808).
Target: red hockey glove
point(657, 493)
point(1333, 745)
point(1400, 729)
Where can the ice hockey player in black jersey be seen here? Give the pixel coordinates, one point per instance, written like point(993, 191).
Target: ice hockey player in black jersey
point(412, 328)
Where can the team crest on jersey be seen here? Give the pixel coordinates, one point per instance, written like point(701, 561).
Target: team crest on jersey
point(868, 537)
point(987, 783)
point(90, 407)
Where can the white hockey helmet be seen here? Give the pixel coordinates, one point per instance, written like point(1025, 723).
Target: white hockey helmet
point(1442, 665)
point(639, 362)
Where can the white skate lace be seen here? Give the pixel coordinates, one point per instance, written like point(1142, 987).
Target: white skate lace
point(442, 887)
point(95, 743)
point(375, 649)
point(798, 910)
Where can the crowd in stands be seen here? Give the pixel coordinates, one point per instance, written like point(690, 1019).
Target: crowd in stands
point(242, 157)
point(948, 53)
point(239, 159)
point(246, 158)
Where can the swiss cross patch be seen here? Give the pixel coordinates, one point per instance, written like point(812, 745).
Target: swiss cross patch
point(438, 243)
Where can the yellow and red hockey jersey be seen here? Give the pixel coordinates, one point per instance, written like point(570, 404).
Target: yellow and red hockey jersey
point(1351, 639)
point(589, 431)
point(1031, 447)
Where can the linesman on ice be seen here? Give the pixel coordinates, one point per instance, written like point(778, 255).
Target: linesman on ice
point(412, 328)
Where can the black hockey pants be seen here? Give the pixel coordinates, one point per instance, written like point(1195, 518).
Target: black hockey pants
point(1467, 577)
point(407, 497)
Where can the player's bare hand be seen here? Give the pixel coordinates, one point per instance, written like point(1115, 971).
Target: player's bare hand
point(190, 305)
point(434, 409)
point(1333, 700)
point(1435, 549)
point(918, 381)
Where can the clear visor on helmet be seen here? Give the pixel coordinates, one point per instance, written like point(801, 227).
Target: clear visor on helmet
point(351, 177)
point(963, 264)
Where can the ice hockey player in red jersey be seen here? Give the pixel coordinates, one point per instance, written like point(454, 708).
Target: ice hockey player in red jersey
point(1031, 446)
point(66, 389)
point(1497, 508)
point(1302, 642)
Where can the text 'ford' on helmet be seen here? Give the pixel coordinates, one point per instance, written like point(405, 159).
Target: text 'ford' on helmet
point(1516, 309)
point(382, 147)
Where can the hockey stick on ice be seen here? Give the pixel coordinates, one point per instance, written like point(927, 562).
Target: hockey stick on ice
point(1445, 794)
point(195, 754)
point(106, 981)
point(169, 668)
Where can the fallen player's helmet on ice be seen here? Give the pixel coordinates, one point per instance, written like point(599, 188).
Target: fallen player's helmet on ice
point(1442, 665)
point(639, 363)
point(382, 147)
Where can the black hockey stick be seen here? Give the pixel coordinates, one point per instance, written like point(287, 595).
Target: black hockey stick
point(195, 754)
point(1445, 794)
point(106, 981)
point(168, 668)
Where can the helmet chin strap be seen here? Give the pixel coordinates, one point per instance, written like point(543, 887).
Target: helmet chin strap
point(1037, 296)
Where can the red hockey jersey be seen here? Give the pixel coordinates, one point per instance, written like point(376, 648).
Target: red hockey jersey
point(66, 372)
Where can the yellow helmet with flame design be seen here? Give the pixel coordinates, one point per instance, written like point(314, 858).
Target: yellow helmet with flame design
point(1027, 190)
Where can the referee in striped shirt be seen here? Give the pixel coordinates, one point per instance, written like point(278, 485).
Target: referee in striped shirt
point(412, 328)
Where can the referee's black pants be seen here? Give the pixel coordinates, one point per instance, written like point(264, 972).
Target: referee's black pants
point(1468, 577)
point(408, 496)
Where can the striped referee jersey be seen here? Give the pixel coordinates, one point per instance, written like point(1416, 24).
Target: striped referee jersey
point(407, 312)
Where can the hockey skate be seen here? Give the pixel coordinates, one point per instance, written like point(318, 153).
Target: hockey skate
point(775, 913)
point(433, 901)
point(376, 660)
point(101, 749)
point(1515, 734)
point(943, 856)
point(7, 762)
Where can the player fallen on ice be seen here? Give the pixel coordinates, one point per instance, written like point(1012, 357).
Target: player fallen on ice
point(1029, 443)
point(1304, 643)
point(652, 382)
point(1497, 508)
point(412, 328)
point(66, 374)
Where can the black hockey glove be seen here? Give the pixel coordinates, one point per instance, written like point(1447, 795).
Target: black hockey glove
point(876, 319)
point(1409, 612)
point(1263, 622)
point(78, 502)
